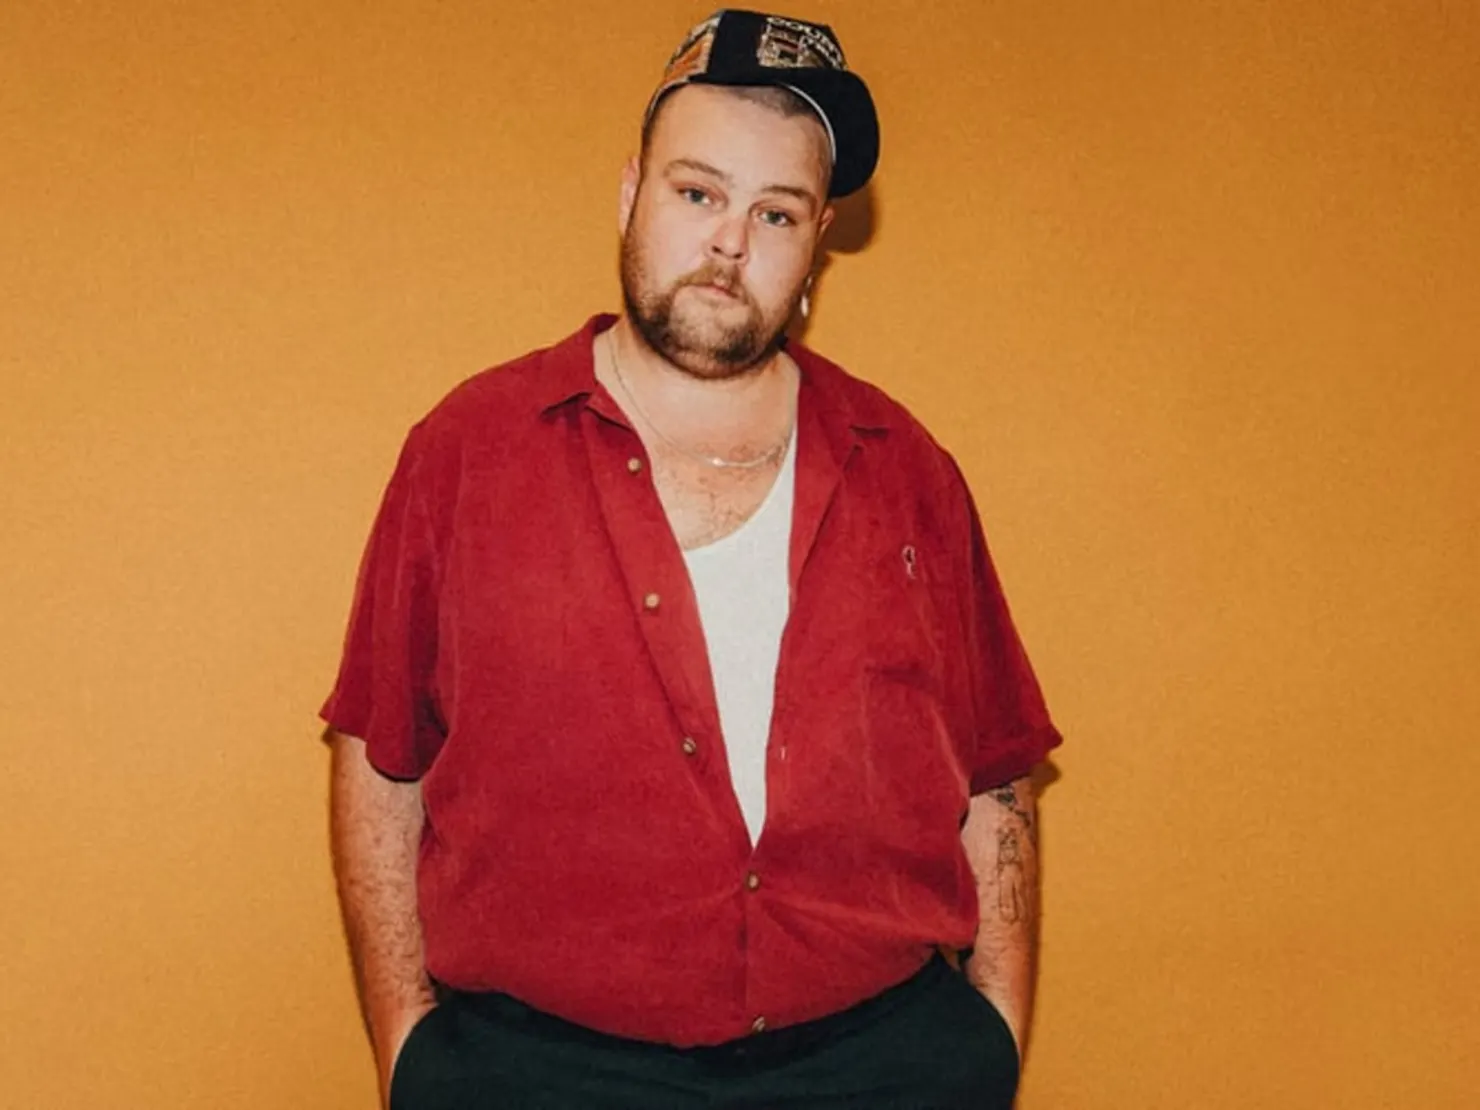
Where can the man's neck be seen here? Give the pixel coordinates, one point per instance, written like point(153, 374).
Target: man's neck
point(754, 406)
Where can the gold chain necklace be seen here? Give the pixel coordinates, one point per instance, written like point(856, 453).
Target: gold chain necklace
point(711, 460)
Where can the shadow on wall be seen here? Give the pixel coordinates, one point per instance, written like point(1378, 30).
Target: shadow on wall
point(853, 228)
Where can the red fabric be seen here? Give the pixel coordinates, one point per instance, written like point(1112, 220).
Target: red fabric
point(503, 649)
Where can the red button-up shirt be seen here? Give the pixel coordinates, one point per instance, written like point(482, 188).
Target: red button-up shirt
point(524, 640)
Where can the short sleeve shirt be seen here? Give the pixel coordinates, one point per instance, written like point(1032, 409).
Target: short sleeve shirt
point(524, 641)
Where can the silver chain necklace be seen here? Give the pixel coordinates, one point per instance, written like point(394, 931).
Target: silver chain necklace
point(711, 460)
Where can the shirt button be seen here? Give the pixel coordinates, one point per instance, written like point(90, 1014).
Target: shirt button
point(634, 464)
point(689, 745)
point(752, 881)
point(651, 601)
point(758, 1025)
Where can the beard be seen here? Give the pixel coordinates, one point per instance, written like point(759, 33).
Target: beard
point(688, 336)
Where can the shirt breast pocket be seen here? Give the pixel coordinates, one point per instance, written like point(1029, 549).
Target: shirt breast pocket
point(909, 739)
point(904, 629)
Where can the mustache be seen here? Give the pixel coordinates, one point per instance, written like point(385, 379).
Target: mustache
point(714, 273)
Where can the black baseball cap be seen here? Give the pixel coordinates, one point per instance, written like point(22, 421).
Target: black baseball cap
point(735, 47)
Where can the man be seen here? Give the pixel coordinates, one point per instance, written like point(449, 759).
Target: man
point(682, 738)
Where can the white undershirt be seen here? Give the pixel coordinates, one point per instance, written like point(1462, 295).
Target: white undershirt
point(743, 589)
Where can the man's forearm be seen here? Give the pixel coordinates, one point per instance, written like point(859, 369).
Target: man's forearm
point(375, 826)
point(1001, 841)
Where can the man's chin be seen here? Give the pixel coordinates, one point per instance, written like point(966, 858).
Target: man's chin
point(705, 339)
point(704, 361)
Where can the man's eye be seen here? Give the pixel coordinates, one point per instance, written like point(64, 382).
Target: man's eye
point(777, 218)
point(694, 196)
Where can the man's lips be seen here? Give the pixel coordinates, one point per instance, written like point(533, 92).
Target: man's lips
point(729, 292)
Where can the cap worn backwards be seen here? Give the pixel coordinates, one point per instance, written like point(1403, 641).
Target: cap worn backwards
point(735, 47)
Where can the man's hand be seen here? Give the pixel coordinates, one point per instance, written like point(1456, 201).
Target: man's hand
point(388, 1049)
point(375, 826)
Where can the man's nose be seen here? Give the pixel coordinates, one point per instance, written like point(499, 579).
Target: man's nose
point(731, 239)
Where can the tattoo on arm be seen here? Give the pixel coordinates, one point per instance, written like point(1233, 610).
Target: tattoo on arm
point(1012, 887)
point(1009, 799)
point(1014, 893)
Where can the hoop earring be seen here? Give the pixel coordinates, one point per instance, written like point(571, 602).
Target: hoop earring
point(807, 297)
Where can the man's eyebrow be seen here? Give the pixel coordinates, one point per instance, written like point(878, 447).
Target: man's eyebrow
point(805, 195)
point(698, 167)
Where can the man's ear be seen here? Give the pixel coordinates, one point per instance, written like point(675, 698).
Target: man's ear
point(824, 221)
point(627, 196)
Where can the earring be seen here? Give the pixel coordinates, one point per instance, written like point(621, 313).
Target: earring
point(807, 297)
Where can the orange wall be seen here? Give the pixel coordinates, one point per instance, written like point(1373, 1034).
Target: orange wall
point(1190, 289)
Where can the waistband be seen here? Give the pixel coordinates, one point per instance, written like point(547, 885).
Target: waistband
point(754, 1049)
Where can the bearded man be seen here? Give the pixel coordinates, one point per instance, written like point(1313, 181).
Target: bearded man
point(682, 738)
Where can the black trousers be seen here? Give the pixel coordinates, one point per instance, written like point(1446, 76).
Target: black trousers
point(931, 1043)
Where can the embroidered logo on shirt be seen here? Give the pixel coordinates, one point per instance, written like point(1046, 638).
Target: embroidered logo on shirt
point(911, 561)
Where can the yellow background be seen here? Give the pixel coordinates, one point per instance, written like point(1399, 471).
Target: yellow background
point(1191, 290)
